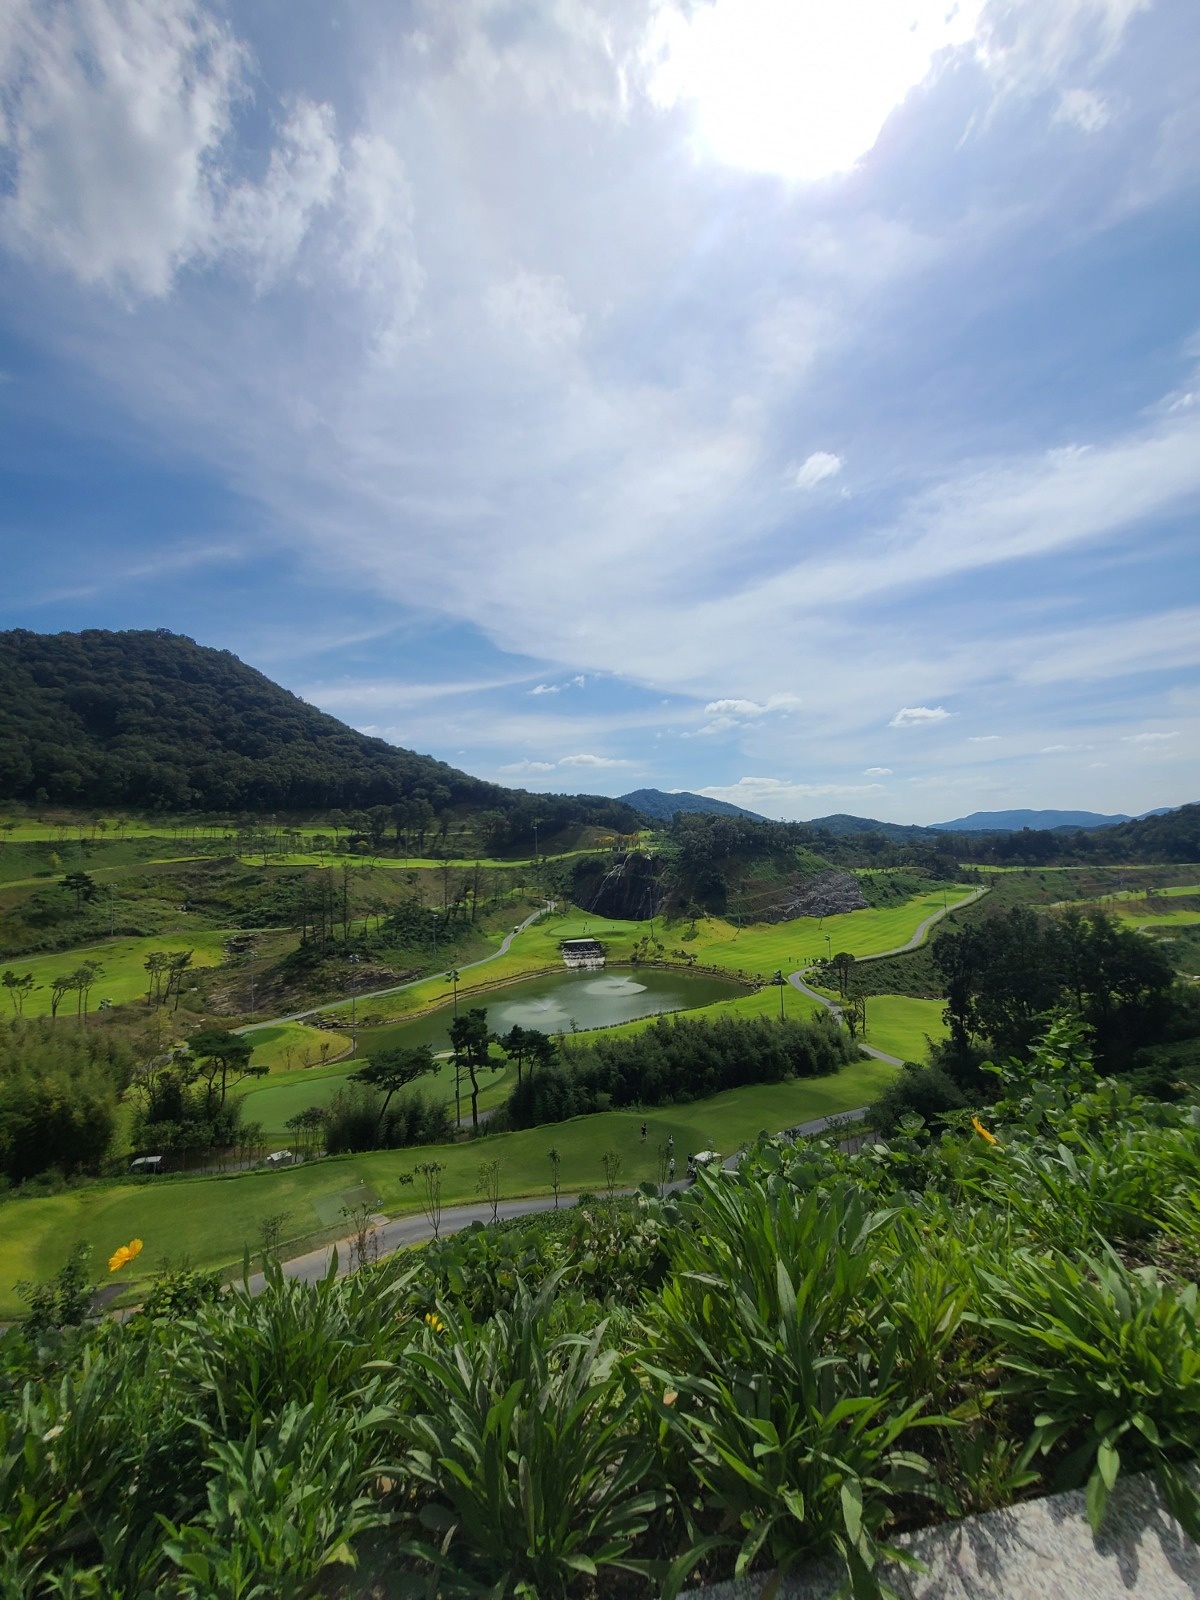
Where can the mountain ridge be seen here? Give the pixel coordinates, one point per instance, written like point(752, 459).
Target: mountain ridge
point(662, 804)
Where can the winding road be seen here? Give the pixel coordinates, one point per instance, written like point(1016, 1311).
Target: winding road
point(796, 979)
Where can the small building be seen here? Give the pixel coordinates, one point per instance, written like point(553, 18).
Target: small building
point(146, 1166)
point(582, 952)
point(279, 1158)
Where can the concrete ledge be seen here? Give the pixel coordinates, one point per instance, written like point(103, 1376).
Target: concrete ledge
point(1040, 1550)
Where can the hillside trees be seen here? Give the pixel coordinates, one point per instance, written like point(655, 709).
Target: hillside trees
point(1005, 974)
point(152, 720)
point(58, 1097)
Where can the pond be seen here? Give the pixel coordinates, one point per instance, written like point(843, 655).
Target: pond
point(563, 1002)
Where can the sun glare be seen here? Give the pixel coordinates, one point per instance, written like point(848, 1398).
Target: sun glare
point(798, 87)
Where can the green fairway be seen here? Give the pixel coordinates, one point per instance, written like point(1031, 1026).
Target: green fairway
point(898, 1024)
point(761, 949)
point(208, 1221)
point(274, 1102)
point(124, 976)
point(290, 1047)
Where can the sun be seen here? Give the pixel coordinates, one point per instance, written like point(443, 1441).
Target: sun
point(800, 88)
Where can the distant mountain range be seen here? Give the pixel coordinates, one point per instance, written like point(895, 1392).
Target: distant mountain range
point(662, 804)
point(1014, 821)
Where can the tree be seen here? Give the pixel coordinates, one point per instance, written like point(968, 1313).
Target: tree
point(842, 964)
point(177, 964)
point(489, 1185)
point(393, 1070)
point(156, 964)
point(430, 1174)
point(555, 1171)
point(60, 986)
point(19, 989)
point(222, 1057)
point(471, 1043)
point(83, 979)
point(82, 885)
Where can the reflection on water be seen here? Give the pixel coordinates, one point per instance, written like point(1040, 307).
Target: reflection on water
point(564, 1002)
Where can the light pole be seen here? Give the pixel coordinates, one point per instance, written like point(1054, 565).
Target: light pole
point(780, 980)
point(452, 977)
point(828, 949)
point(354, 960)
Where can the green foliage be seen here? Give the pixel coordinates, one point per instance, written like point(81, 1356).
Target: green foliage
point(534, 1450)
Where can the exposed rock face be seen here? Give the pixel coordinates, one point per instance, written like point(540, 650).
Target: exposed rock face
point(823, 896)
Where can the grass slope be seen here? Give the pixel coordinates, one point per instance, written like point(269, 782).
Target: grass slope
point(124, 977)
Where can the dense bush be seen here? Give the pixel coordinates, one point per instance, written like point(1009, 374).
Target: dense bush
point(676, 1060)
point(58, 1096)
point(357, 1121)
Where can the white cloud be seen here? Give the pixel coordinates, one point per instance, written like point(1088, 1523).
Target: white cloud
point(116, 117)
point(1083, 109)
point(1053, 749)
point(982, 738)
point(592, 761)
point(918, 716)
point(1151, 738)
point(119, 122)
point(264, 224)
point(819, 466)
point(546, 688)
point(879, 772)
point(536, 307)
point(527, 766)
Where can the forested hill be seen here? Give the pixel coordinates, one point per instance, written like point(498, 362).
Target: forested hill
point(662, 805)
point(154, 721)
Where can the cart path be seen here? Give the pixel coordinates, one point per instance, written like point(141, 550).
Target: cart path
point(416, 1228)
point(796, 979)
point(396, 988)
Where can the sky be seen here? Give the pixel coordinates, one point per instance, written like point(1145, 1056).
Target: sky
point(791, 402)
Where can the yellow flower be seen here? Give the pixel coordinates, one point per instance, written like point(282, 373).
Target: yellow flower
point(122, 1256)
point(982, 1131)
point(434, 1322)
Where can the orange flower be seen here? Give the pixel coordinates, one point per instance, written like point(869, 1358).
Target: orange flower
point(982, 1131)
point(122, 1256)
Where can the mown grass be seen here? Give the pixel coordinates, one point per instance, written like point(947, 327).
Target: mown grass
point(293, 1048)
point(900, 1024)
point(209, 1221)
point(124, 977)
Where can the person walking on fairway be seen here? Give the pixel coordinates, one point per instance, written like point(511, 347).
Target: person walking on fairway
point(643, 1133)
point(671, 1170)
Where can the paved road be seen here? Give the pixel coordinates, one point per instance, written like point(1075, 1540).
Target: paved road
point(417, 1229)
point(396, 988)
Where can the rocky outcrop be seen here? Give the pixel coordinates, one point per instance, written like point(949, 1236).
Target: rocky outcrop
point(826, 895)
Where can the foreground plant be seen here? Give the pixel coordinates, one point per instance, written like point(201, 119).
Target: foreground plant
point(1107, 1360)
point(792, 1424)
point(533, 1449)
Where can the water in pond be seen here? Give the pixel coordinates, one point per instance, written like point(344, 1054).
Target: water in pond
point(563, 1002)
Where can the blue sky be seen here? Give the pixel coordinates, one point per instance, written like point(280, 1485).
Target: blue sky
point(794, 402)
